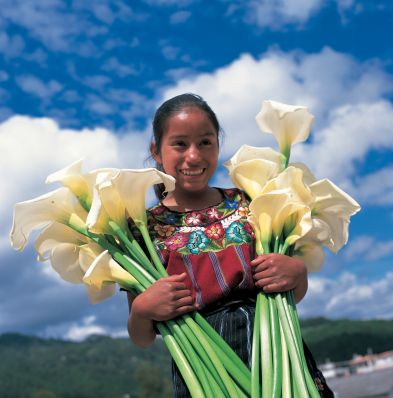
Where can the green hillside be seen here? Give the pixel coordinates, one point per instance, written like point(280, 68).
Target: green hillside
point(102, 367)
point(338, 340)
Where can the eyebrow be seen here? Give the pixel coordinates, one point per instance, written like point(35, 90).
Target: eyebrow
point(209, 133)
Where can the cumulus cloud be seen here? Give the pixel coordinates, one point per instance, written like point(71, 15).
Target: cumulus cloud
point(35, 86)
point(276, 14)
point(368, 248)
point(346, 97)
point(349, 296)
point(180, 17)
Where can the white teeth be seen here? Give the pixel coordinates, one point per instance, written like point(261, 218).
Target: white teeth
point(192, 172)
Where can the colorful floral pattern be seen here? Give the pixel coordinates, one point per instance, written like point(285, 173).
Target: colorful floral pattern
point(210, 229)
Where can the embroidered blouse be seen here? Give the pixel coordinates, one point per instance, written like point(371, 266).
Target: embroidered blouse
point(214, 246)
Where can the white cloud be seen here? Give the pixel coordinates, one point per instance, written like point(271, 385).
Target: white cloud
point(31, 149)
point(368, 248)
point(11, 46)
point(348, 296)
point(32, 85)
point(277, 13)
point(345, 96)
point(113, 65)
point(180, 17)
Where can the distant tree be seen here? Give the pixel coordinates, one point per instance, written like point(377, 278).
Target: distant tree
point(152, 382)
point(44, 394)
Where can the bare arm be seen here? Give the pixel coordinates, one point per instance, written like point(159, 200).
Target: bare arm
point(278, 273)
point(165, 299)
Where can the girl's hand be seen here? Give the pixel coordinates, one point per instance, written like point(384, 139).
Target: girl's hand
point(275, 273)
point(165, 299)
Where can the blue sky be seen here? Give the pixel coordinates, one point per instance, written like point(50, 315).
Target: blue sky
point(83, 80)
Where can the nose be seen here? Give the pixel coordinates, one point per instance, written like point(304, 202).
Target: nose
point(193, 154)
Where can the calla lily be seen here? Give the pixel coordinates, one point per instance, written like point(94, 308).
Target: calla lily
point(55, 234)
point(274, 212)
point(82, 185)
point(69, 252)
point(311, 253)
point(252, 175)
point(57, 205)
point(288, 123)
point(247, 152)
point(331, 211)
point(291, 178)
point(129, 188)
point(105, 270)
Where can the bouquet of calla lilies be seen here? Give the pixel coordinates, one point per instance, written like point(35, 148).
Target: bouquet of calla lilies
point(87, 239)
point(86, 236)
point(294, 214)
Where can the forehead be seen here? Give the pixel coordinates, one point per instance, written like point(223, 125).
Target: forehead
point(190, 121)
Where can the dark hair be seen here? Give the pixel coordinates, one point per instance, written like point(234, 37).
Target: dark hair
point(168, 109)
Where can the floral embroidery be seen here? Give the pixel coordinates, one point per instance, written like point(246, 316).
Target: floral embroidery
point(237, 233)
point(197, 242)
point(193, 218)
point(213, 214)
point(215, 231)
point(210, 229)
point(231, 204)
point(176, 242)
point(243, 211)
point(164, 231)
point(171, 218)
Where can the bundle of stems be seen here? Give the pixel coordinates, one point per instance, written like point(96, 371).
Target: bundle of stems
point(278, 356)
point(209, 366)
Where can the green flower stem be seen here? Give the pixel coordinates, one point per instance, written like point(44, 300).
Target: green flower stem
point(294, 356)
point(131, 266)
point(194, 346)
point(241, 379)
point(133, 248)
point(286, 373)
point(295, 319)
point(289, 316)
point(255, 358)
point(222, 345)
point(188, 374)
point(266, 347)
point(152, 251)
point(276, 347)
point(228, 382)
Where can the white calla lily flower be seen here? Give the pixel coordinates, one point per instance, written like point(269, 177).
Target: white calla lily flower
point(57, 205)
point(311, 253)
point(104, 270)
point(288, 123)
point(247, 152)
point(275, 212)
point(291, 178)
point(331, 212)
point(126, 190)
point(252, 175)
point(82, 185)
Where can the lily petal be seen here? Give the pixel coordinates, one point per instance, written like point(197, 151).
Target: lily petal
point(247, 152)
point(106, 270)
point(57, 205)
point(288, 123)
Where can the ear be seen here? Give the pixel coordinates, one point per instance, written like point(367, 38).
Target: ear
point(154, 153)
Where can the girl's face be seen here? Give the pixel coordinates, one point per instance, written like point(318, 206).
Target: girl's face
point(189, 150)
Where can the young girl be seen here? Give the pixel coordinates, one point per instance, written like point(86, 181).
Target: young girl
point(205, 241)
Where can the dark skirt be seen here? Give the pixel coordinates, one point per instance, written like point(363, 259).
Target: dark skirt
point(234, 322)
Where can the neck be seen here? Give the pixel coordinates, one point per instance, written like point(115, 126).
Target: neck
point(187, 201)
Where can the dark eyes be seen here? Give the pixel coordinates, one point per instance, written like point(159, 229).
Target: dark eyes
point(184, 144)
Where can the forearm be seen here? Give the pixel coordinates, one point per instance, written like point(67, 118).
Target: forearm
point(140, 328)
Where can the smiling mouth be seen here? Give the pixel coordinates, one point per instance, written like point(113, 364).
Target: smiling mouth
point(192, 173)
